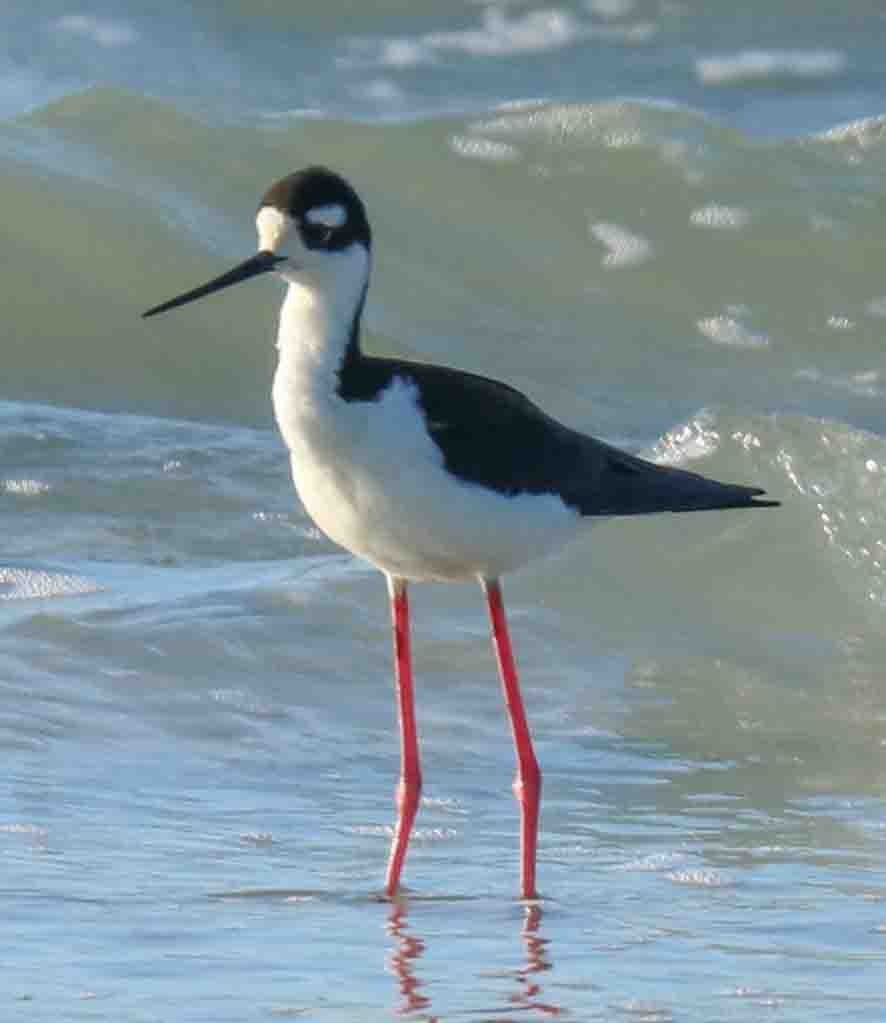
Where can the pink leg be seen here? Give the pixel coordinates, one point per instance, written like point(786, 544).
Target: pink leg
point(409, 787)
point(527, 783)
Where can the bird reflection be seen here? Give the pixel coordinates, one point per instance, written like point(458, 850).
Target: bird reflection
point(408, 950)
point(537, 961)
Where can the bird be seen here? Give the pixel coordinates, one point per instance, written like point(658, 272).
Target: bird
point(428, 472)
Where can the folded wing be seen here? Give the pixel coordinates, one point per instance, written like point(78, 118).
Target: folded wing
point(491, 434)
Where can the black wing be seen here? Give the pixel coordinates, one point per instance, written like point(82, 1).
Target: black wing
point(491, 434)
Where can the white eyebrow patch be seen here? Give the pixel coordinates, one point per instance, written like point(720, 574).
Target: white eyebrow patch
point(331, 215)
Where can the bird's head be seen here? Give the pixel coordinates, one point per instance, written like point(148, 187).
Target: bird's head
point(312, 230)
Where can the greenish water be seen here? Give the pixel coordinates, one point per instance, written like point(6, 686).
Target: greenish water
point(664, 223)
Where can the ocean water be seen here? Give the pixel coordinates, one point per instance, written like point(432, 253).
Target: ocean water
point(662, 220)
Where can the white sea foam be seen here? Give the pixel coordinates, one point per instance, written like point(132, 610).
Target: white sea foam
point(623, 124)
point(760, 65)
point(726, 329)
point(522, 105)
point(400, 53)
point(696, 439)
point(24, 488)
point(719, 217)
point(864, 132)
point(534, 32)
point(699, 878)
point(625, 248)
point(482, 149)
point(497, 35)
point(102, 31)
point(34, 584)
point(654, 862)
point(18, 828)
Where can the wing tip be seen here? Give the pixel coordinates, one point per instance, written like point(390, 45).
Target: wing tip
point(756, 499)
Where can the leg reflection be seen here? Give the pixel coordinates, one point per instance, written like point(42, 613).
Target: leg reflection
point(407, 951)
point(537, 962)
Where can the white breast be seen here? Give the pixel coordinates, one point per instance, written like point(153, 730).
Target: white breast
point(374, 481)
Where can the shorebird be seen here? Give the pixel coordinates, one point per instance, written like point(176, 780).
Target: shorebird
point(427, 472)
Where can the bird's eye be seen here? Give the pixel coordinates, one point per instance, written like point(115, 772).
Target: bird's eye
point(320, 223)
point(316, 235)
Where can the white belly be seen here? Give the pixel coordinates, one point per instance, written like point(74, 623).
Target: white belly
point(374, 481)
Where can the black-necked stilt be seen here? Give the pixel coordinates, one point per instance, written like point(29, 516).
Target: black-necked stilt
point(426, 471)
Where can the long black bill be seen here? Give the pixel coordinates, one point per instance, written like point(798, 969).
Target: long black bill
point(260, 263)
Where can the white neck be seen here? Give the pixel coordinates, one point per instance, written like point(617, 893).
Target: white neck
point(318, 313)
point(315, 329)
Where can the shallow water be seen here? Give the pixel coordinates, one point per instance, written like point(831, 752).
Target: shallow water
point(664, 223)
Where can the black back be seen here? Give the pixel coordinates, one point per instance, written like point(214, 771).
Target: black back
point(492, 435)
